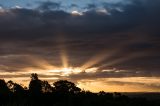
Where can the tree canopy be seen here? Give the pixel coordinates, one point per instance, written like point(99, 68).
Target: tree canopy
point(61, 93)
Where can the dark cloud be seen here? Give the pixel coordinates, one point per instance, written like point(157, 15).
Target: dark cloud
point(48, 5)
point(132, 33)
point(112, 74)
point(91, 6)
point(74, 6)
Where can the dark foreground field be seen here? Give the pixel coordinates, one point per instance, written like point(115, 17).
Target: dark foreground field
point(65, 93)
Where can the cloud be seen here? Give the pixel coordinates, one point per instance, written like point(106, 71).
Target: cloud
point(129, 39)
point(153, 86)
point(46, 6)
point(112, 73)
point(125, 84)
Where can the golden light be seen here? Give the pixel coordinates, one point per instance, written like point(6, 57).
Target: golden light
point(64, 58)
point(108, 54)
point(48, 71)
point(38, 62)
point(130, 84)
point(66, 71)
point(122, 59)
point(101, 56)
point(63, 50)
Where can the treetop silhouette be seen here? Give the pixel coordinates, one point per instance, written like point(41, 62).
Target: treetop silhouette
point(61, 93)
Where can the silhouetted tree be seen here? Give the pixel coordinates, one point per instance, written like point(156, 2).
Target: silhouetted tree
point(18, 88)
point(35, 85)
point(34, 76)
point(14, 87)
point(4, 90)
point(64, 86)
point(63, 93)
point(102, 93)
point(10, 85)
point(46, 87)
point(18, 92)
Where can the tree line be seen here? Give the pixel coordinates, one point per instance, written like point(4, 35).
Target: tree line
point(61, 93)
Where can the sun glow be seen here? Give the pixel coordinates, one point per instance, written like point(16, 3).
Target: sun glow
point(66, 71)
point(82, 74)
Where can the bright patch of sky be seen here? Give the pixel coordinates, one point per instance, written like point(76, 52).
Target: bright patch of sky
point(65, 3)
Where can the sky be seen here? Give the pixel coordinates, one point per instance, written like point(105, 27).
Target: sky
point(110, 45)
